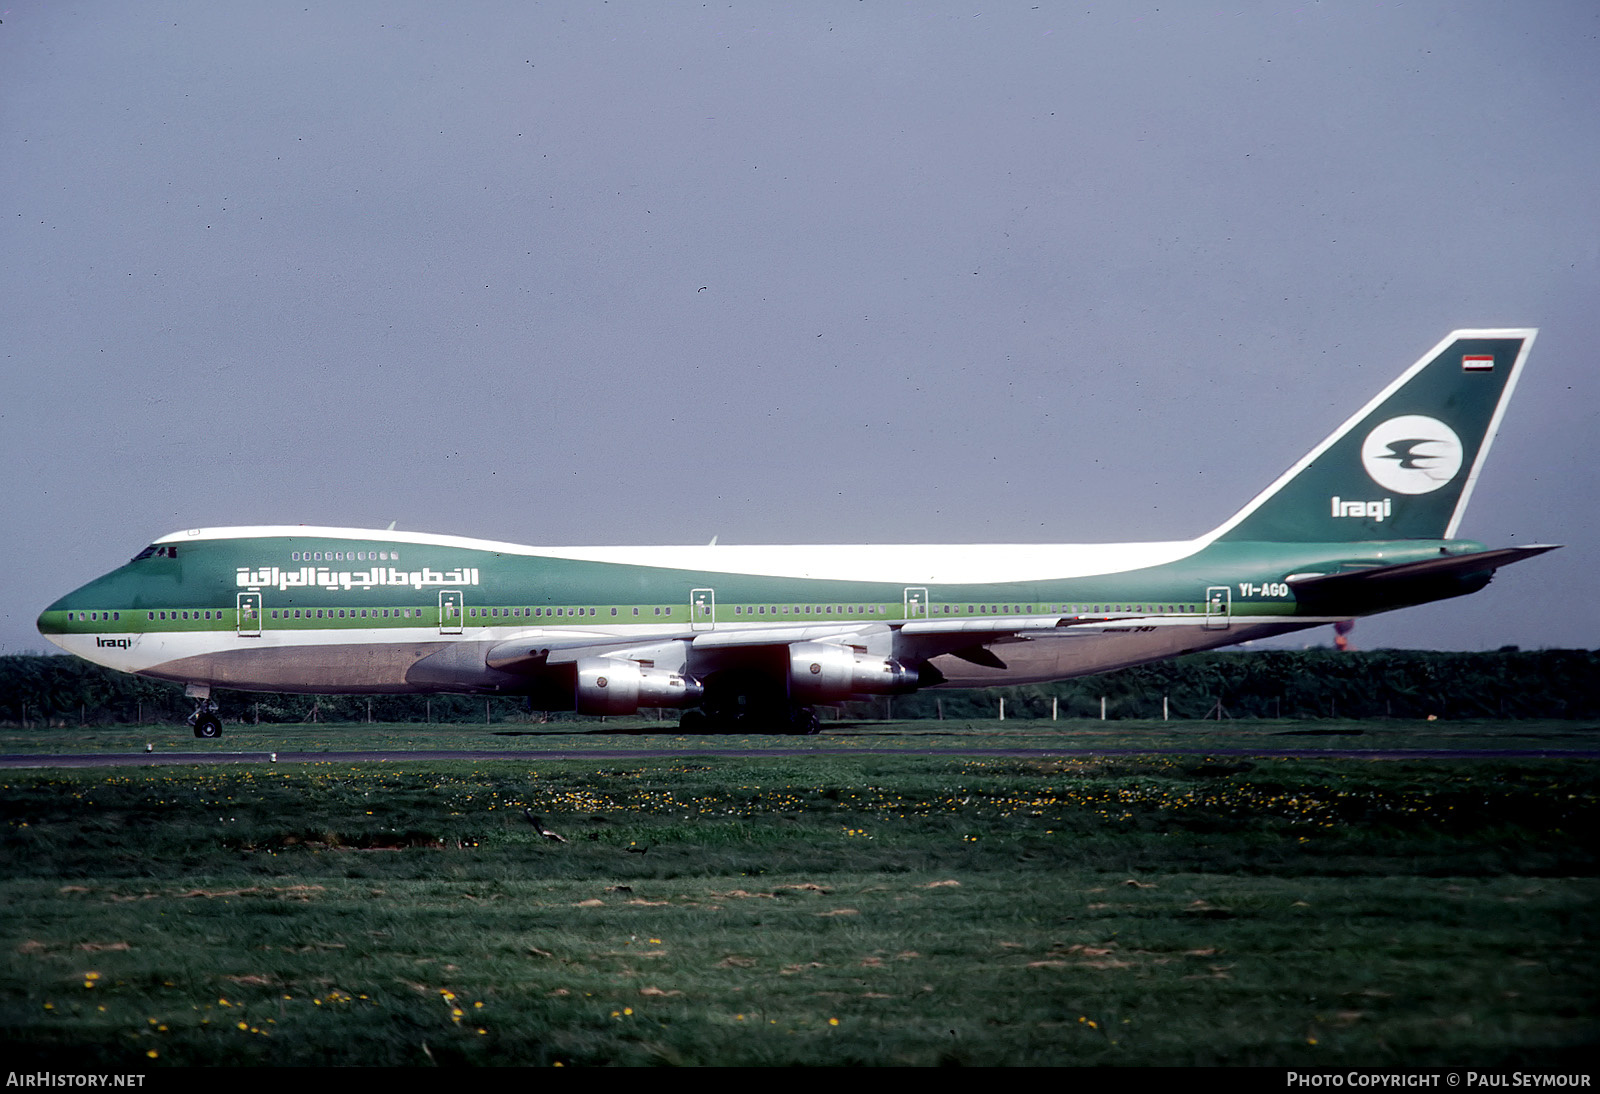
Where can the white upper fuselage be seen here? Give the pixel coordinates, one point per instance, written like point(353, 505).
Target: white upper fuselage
point(936, 564)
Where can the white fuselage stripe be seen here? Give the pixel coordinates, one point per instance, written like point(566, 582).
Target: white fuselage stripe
point(904, 564)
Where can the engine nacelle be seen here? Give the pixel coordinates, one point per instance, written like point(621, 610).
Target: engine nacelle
point(824, 673)
point(610, 685)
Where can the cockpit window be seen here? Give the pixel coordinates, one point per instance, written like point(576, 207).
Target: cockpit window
point(157, 550)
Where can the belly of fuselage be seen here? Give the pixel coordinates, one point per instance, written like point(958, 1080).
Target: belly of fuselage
point(1057, 657)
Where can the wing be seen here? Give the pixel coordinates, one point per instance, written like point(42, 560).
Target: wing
point(820, 662)
point(606, 674)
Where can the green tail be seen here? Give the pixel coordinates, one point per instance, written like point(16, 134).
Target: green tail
point(1404, 465)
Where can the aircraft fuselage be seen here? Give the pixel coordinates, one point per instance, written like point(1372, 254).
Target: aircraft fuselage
point(350, 610)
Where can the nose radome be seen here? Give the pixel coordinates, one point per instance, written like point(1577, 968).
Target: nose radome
point(48, 623)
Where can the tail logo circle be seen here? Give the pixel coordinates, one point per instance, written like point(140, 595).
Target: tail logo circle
point(1412, 454)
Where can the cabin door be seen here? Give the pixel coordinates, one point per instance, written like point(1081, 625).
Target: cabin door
point(702, 609)
point(916, 603)
point(450, 611)
point(249, 615)
point(1219, 602)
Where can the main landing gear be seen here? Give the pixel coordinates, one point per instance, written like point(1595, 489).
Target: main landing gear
point(744, 700)
point(769, 718)
point(206, 720)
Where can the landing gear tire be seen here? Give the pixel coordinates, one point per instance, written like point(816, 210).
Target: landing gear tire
point(204, 719)
point(804, 722)
point(694, 721)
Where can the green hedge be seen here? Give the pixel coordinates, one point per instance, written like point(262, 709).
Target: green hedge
point(1268, 684)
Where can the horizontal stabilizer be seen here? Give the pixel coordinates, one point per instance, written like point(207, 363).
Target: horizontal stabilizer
point(1383, 588)
point(1445, 565)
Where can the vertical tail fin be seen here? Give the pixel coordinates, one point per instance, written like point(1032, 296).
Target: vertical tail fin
point(1403, 467)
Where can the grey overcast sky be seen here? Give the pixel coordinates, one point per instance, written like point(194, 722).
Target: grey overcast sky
point(802, 272)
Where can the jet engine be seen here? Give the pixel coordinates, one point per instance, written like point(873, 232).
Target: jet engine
point(611, 685)
point(823, 673)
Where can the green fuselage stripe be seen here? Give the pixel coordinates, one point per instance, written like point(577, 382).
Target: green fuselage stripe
point(356, 618)
point(199, 590)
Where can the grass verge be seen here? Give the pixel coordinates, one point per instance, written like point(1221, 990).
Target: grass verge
point(802, 910)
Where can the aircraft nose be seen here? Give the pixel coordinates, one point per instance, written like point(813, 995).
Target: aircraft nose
point(51, 623)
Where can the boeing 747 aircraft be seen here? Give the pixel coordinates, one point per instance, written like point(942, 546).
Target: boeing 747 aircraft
point(755, 637)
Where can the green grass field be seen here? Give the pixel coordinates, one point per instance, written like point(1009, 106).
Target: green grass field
point(901, 909)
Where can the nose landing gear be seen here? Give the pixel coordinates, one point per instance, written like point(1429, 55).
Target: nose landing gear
point(205, 719)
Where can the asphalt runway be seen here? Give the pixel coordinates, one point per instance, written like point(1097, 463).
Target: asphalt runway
point(168, 759)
